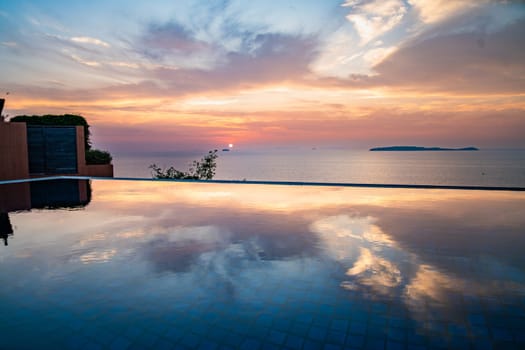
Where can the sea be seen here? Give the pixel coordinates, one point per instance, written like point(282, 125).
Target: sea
point(494, 167)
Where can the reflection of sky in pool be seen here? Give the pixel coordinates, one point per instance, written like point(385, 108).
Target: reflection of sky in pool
point(181, 265)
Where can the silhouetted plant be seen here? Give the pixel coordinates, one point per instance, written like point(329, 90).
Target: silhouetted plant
point(199, 170)
point(95, 156)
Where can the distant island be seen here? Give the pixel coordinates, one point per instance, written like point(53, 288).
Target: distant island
point(419, 148)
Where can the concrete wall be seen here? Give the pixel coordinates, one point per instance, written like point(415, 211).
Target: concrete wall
point(14, 162)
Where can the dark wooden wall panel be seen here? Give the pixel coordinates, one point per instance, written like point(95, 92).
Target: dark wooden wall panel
point(52, 150)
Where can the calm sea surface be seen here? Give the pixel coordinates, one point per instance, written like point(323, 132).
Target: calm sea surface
point(483, 168)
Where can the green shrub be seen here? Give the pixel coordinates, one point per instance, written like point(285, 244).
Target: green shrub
point(95, 156)
point(200, 170)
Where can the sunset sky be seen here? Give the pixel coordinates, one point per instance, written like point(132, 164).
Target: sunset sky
point(193, 75)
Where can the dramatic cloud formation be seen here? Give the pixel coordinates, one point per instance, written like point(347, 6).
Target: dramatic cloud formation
point(372, 19)
point(193, 74)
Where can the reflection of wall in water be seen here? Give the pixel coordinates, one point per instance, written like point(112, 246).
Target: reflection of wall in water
point(55, 194)
point(6, 229)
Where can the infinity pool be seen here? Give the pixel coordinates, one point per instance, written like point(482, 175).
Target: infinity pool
point(137, 264)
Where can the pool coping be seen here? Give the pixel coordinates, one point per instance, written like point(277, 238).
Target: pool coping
point(277, 183)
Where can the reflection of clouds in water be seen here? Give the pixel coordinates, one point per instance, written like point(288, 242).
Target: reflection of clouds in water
point(99, 236)
point(342, 235)
point(374, 272)
point(345, 226)
point(178, 249)
point(351, 240)
point(386, 250)
point(98, 256)
point(378, 266)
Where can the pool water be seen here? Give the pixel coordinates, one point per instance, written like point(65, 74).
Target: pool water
point(112, 264)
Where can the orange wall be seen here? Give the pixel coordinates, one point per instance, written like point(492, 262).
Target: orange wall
point(14, 163)
point(99, 170)
point(81, 151)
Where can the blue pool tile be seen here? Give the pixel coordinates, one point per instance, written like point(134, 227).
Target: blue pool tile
point(299, 329)
point(216, 333)
point(190, 340)
point(520, 336)
point(241, 328)
point(147, 339)
point(282, 324)
point(276, 337)
point(250, 344)
point(416, 347)
point(208, 345)
point(294, 342)
point(334, 337)
point(359, 316)
point(270, 346)
point(397, 334)
point(92, 346)
point(500, 334)
point(332, 347)
point(397, 322)
point(307, 319)
point(174, 333)
point(312, 345)
point(226, 347)
point(480, 332)
point(397, 312)
point(120, 343)
point(485, 345)
point(133, 332)
point(374, 344)
point(377, 331)
point(104, 337)
point(200, 328)
point(232, 339)
point(158, 328)
point(339, 325)
point(358, 328)
point(415, 338)
point(459, 342)
point(379, 308)
point(264, 320)
point(476, 319)
point(323, 322)
point(326, 309)
point(392, 345)
point(438, 342)
point(77, 341)
point(317, 333)
point(506, 346)
point(259, 332)
point(436, 327)
point(163, 344)
point(355, 341)
point(454, 329)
